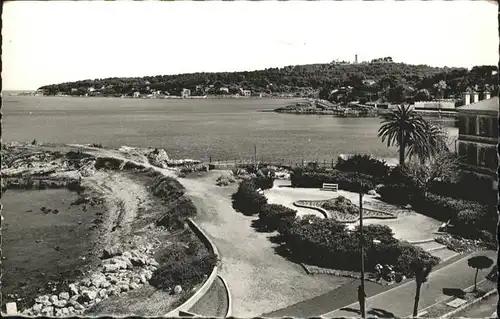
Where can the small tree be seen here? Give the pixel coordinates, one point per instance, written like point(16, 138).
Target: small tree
point(422, 272)
point(479, 263)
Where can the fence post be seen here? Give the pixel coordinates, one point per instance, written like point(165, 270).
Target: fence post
point(332, 162)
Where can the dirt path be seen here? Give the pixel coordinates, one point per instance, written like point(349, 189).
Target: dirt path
point(123, 198)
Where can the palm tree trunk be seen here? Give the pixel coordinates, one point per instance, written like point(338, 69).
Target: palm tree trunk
point(417, 299)
point(402, 147)
point(475, 280)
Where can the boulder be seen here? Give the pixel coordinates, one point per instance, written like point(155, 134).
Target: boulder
point(64, 296)
point(47, 311)
point(98, 279)
point(103, 294)
point(76, 305)
point(113, 291)
point(177, 289)
point(143, 279)
point(124, 287)
point(42, 299)
point(86, 282)
point(110, 268)
point(111, 251)
point(372, 192)
point(73, 289)
point(60, 303)
point(75, 298)
point(89, 295)
point(134, 285)
point(53, 299)
point(37, 308)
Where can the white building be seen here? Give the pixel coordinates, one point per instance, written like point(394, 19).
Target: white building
point(186, 93)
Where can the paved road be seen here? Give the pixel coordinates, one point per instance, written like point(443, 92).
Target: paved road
point(214, 303)
point(399, 301)
point(484, 309)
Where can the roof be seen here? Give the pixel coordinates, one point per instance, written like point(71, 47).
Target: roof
point(484, 105)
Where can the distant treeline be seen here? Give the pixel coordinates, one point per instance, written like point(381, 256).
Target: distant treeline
point(381, 80)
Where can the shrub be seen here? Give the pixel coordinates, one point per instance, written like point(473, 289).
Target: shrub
point(275, 216)
point(364, 164)
point(327, 243)
point(349, 181)
point(399, 194)
point(175, 217)
point(183, 266)
point(341, 205)
point(247, 200)
point(167, 188)
point(445, 208)
point(224, 180)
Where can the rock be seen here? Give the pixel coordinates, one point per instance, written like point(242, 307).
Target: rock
point(111, 251)
point(47, 311)
point(134, 285)
point(103, 294)
point(177, 289)
point(148, 274)
point(113, 291)
point(143, 279)
point(37, 308)
point(89, 295)
point(75, 298)
point(153, 263)
point(60, 303)
point(113, 280)
point(76, 305)
point(86, 282)
point(42, 299)
point(124, 287)
point(98, 279)
point(64, 296)
point(73, 289)
point(53, 299)
point(372, 192)
point(110, 268)
point(105, 284)
point(97, 300)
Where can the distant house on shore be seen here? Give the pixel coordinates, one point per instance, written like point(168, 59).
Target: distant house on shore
point(478, 136)
point(137, 94)
point(224, 89)
point(186, 93)
point(245, 92)
point(39, 92)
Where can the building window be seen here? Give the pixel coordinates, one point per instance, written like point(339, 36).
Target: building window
point(462, 150)
point(471, 130)
point(494, 126)
point(484, 127)
point(492, 157)
point(462, 125)
point(482, 159)
point(472, 154)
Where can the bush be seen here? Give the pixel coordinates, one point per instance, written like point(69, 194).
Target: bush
point(399, 194)
point(247, 200)
point(446, 208)
point(175, 217)
point(364, 164)
point(327, 243)
point(167, 188)
point(183, 266)
point(348, 181)
point(275, 216)
point(341, 205)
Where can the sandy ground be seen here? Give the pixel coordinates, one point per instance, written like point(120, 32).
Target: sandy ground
point(260, 280)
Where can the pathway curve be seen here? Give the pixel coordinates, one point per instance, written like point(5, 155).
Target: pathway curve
point(259, 279)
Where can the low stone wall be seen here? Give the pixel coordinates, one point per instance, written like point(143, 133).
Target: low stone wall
point(229, 299)
point(206, 285)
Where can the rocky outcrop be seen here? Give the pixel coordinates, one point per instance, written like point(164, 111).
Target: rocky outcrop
point(120, 272)
point(159, 158)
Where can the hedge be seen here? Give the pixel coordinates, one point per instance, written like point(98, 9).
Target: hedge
point(349, 181)
point(364, 164)
point(247, 200)
point(275, 216)
point(326, 243)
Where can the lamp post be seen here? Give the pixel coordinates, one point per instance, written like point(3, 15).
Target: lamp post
point(361, 239)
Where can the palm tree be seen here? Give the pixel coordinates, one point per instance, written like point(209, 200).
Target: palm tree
point(432, 143)
point(402, 127)
point(421, 275)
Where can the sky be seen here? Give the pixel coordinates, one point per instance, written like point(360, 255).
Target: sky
point(56, 41)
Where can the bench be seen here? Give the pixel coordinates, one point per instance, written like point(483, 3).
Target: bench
point(331, 187)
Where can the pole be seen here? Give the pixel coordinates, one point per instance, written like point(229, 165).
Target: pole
point(255, 154)
point(361, 239)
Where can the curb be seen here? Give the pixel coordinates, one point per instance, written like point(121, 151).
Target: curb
point(467, 305)
point(207, 284)
point(422, 241)
point(229, 298)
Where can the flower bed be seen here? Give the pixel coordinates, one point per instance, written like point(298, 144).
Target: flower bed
point(343, 217)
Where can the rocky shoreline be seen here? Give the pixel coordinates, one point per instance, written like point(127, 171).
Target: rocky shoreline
point(119, 273)
point(120, 268)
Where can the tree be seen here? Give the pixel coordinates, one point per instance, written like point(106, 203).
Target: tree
point(479, 263)
point(401, 127)
point(439, 168)
point(422, 272)
point(433, 142)
point(422, 95)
